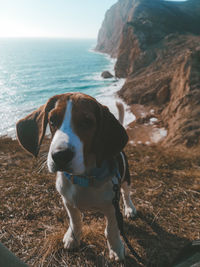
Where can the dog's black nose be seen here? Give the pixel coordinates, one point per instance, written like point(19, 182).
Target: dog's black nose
point(62, 157)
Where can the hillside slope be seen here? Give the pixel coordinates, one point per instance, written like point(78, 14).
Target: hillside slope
point(157, 44)
point(33, 219)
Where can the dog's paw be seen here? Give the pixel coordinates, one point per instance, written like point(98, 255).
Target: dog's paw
point(117, 254)
point(70, 240)
point(130, 212)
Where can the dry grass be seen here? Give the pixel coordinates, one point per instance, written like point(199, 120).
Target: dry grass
point(165, 190)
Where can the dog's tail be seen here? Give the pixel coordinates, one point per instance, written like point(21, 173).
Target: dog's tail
point(120, 108)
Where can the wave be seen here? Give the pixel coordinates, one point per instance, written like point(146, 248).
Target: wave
point(108, 96)
point(26, 83)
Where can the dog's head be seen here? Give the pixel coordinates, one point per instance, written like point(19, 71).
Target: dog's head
point(84, 133)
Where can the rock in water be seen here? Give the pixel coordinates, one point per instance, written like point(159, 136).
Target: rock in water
point(106, 75)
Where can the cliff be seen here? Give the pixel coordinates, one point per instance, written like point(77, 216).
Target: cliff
point(157, 45)
point(112, 26)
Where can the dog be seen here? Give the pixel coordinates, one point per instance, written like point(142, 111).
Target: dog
point(86, 153)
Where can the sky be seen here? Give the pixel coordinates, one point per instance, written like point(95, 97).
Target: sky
point(52, 18)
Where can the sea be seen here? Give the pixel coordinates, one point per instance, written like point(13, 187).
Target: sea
point(33, 70)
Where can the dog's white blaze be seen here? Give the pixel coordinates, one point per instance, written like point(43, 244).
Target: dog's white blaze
point(66, 138)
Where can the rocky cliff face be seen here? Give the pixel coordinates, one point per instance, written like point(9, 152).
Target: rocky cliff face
point(157, 44)
point(112, 26)
point(147, 25)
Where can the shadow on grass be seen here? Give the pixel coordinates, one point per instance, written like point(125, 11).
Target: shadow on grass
point(160, 247)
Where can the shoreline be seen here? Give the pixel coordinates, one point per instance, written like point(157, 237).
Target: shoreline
point(142, 125)
point(105, 91)
point(109, 95)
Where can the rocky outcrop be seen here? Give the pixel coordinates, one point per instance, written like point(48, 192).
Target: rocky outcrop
point(151, 20)
point(182, 113)
point(106, 74)
point(147, 25)
point(158, 51)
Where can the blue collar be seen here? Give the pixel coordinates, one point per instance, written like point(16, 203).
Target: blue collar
point(96, 176)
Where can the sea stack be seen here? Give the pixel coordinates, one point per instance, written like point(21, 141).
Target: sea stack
point(106, 75)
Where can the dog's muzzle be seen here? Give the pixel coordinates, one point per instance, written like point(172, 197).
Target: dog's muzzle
point(62, 158)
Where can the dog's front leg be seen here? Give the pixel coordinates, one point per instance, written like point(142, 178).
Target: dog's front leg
point(115, 244)
point(129, 208)
point(72, 237)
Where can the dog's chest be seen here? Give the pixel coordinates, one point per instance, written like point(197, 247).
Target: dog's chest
point(84, 198)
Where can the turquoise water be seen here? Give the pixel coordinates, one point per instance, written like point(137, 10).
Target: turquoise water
point(32, 70)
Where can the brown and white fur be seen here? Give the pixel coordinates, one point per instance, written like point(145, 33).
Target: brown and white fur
point(84, 134)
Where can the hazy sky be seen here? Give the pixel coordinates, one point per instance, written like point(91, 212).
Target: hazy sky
point(52, 18)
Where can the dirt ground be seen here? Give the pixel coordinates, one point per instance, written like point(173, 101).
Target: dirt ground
point(165, 191)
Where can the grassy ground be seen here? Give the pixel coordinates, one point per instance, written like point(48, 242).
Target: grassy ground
point(165, 191)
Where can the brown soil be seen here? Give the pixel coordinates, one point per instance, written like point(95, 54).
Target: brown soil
point(165, 190)
point(143, 130)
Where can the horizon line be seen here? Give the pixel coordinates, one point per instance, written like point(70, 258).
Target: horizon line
point(46, 37)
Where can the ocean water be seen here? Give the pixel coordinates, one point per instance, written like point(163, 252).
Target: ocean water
point(33, 70)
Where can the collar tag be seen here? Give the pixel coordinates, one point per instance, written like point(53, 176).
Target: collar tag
point(115, 180)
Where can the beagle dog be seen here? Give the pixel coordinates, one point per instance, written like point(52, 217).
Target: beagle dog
point(85, 152)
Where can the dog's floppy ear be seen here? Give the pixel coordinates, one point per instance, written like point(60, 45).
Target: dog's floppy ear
point(111, 137)
point(31, 129)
